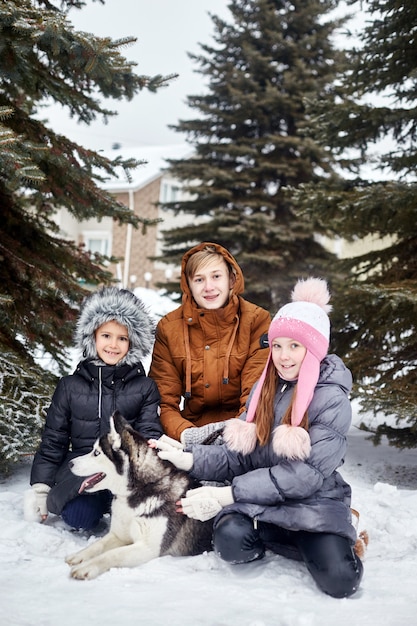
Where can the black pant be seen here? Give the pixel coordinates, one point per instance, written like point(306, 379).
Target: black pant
point(329, 558)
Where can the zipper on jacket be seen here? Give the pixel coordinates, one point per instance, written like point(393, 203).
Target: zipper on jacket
point(99, 393)
point(283, 388)
point(255, 523)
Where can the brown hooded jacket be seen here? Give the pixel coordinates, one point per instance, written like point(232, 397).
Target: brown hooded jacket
point(208, 360)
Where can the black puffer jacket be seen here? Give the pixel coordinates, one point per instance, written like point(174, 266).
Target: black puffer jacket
point(80, 412)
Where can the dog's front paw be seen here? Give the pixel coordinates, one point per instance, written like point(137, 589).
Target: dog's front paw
point(86, 571)
point(74, 559)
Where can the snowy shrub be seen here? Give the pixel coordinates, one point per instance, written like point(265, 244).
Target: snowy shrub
point(25, 391)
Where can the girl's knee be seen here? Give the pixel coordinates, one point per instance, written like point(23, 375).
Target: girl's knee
point(342, 579)
point(236, 540)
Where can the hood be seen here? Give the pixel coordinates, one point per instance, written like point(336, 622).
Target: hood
point(239, 285)
point(333, 371)
point(122, 306)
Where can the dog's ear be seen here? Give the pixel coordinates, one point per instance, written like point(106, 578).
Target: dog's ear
point(120, 423)
point(115, 438)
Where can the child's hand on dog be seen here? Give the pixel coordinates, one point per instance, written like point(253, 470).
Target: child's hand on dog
point(171, 450)
point(165, 443)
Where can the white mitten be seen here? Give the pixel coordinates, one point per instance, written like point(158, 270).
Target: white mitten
point(174, 454)
point(165, 443)
point(204, 503)
point(35, 508)
point(172, 442)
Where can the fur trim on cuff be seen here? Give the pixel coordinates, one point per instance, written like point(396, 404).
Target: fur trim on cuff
point(291, 442)
point(240, 436)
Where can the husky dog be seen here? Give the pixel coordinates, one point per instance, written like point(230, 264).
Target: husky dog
point(144, 522)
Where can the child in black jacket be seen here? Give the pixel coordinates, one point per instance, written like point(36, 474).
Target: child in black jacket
point(114, 333)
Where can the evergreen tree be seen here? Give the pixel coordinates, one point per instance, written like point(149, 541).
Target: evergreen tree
point(249, 143)
point(372, 119)
point(43, 60)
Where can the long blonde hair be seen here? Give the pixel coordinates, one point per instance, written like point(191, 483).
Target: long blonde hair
point(265, 407)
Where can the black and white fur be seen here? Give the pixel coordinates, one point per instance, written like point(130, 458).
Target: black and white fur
point(144, 522)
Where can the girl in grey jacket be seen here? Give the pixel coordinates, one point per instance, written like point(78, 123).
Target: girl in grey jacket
point(280, 459)
point(114, 333)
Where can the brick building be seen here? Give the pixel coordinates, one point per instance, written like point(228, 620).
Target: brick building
point(150, 184)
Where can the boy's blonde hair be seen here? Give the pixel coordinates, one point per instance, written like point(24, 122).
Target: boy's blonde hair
point(201, 258)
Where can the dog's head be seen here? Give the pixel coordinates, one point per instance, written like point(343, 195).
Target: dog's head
point(107, 465)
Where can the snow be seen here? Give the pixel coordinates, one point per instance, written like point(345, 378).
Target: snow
point(203, 590)
point(156, 302)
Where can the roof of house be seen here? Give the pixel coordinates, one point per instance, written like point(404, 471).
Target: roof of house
point(155, 161)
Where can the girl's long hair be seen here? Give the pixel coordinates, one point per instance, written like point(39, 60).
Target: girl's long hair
point(265, 407)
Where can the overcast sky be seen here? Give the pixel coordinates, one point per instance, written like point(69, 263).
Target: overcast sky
point(165, 30)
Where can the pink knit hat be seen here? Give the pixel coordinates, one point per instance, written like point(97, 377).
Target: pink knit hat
point(305, 319)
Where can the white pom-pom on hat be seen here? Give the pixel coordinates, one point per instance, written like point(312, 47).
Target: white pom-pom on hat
point(312, 290)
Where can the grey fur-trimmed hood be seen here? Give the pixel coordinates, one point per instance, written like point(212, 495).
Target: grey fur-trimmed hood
point(120, 305)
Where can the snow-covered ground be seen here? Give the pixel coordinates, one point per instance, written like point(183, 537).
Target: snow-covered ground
point(36, 588)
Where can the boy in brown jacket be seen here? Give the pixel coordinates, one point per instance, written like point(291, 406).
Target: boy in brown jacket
point(208, 352)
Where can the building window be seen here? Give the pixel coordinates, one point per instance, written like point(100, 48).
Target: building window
point(100, 243)
point(169, 192)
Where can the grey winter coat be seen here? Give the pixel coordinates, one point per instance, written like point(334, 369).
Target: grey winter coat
point(297, 495)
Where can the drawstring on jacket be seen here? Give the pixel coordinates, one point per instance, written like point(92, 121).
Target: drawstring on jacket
point(187, 361)
point(228, 352)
